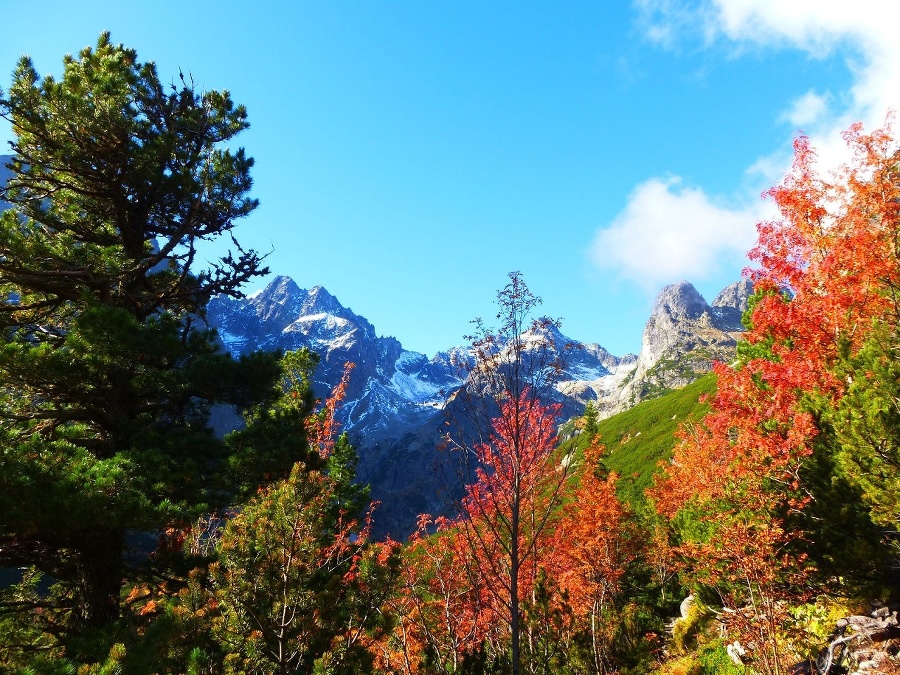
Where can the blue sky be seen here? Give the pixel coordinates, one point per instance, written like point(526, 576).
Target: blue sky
point(409, 155)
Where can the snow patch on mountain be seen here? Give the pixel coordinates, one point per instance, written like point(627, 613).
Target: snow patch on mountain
point(413, 389)
point(390, 386)
point(233, 343)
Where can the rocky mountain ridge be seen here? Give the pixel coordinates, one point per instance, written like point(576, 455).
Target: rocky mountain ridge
point(682, 339)
point(398, 401)
point(390, 387)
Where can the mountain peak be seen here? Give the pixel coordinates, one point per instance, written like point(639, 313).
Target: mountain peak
point(736, 295)
point(280, 290)
point(680, 301)
point(318, 301)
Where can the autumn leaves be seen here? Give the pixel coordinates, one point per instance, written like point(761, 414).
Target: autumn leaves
point(797, 462)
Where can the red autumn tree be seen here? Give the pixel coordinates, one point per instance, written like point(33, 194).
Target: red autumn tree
point(595, 542)
point(507, 510)
point(740, 484)
point(440, 608)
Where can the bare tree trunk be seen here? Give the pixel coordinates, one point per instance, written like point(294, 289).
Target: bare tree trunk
point(99, 578)
point(514, 626)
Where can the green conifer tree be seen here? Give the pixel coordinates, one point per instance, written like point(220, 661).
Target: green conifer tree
point(299, 588)
point(590, 417)
point(107, 371)
point(865, 423)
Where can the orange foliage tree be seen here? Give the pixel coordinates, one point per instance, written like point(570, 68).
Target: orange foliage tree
point(596, 541)
point(440, 608)
point(507, 511)
point(737, 486)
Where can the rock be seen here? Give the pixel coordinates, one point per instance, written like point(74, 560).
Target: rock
point(736, 652)
point(731, 303)
point(864, 644)
point(735, 296)
point(683, 338)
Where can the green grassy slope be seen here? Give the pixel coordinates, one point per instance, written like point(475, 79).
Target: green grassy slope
point(639, 438)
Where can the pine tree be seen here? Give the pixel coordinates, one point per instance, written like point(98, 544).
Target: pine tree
point(106, 367)
point(590, 418)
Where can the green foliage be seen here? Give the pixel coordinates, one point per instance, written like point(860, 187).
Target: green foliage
point(714, 660)
point(297, 587)
point(687, 628)
point(350, 498)
point(841, 537)
point(547, 627)
point(866, 424)
point(298, 591)
point(591, 419)
point(275, 436)
point(21, 639)
point(271, 556)
point(107, 375)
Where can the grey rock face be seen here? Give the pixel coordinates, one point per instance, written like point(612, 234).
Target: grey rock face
point(683, 338)
point(679, 302)
point(731, 303)
point(735, 296)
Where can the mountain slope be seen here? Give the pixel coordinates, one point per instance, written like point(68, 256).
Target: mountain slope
point(637, 439)
point(389, 387)
point(399, 403)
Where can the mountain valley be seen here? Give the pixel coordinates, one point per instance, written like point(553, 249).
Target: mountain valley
point(399, 402)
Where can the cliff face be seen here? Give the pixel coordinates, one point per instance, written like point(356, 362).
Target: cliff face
point(683, 337)
point(391, 388)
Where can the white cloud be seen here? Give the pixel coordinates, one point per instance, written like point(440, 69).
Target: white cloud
point(806, 110)
point(863, 33)
point(669, 231)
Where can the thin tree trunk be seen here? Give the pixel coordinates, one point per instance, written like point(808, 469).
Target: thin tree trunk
point(514, 627)
point(99, 578)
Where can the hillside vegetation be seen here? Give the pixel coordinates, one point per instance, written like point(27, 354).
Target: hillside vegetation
point(637, 440)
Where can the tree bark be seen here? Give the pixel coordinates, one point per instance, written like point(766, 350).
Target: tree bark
point(98, 578)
